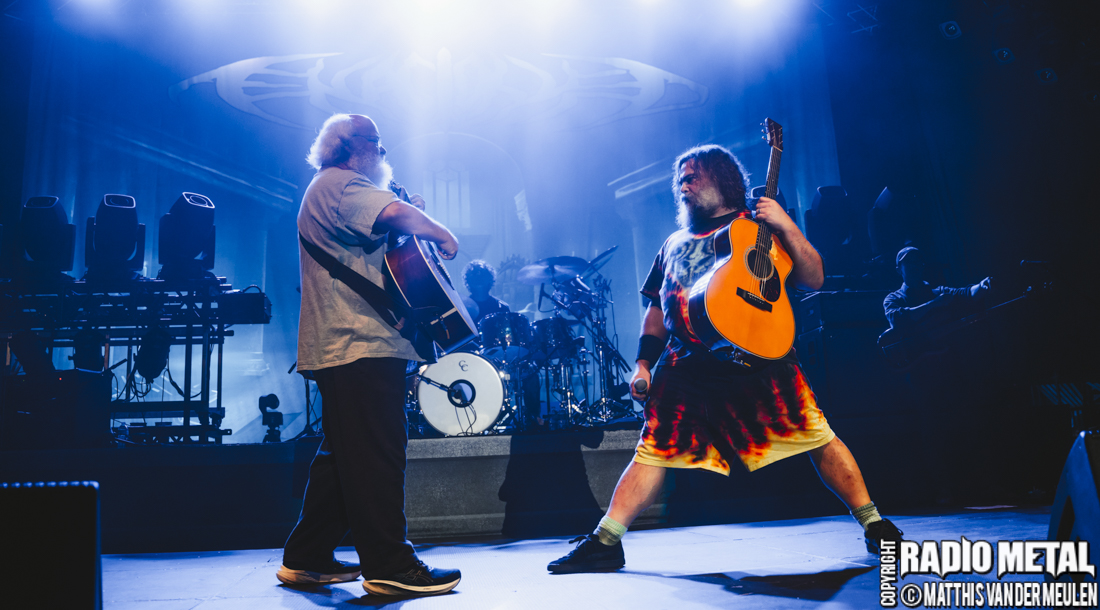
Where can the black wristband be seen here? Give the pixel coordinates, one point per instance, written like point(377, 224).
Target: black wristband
point(650, 348)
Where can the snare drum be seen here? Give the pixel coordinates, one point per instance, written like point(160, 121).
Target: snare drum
point(461, 394)
point(553, 340)
point(505, 336)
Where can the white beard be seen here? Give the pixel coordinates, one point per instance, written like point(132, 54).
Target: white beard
point(381, 174)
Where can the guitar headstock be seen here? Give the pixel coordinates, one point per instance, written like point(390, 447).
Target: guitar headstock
point(773, 133)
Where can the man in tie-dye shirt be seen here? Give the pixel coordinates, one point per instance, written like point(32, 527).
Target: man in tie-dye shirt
point(702, 409)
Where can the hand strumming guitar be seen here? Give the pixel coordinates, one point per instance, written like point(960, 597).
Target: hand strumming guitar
point(409, 220)
point(448, 248)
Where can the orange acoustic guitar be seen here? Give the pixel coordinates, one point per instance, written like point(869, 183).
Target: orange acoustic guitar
point(741, 304)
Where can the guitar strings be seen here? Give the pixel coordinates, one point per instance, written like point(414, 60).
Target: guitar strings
point(763, 234)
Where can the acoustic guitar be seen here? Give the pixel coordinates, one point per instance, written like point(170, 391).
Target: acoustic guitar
point(421, 283)
point(741, 304)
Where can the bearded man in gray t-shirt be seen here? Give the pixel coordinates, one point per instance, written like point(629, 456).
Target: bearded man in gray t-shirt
point(357, 479)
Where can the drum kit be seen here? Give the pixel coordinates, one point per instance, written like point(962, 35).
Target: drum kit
point(564, 359)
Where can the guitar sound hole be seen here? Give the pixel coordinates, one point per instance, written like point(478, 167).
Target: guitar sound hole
point(766, 269)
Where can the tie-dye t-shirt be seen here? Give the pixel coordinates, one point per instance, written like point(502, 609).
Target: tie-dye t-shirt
point(683, 259)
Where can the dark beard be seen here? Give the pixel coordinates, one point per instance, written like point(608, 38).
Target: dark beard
point(692, 218)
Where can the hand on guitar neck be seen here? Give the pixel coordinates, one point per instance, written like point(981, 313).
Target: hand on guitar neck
point(807, 271)
point(414, 199)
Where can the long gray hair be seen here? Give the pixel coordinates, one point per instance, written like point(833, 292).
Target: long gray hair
point(332, 145)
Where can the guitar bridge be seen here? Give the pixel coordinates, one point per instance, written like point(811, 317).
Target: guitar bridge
point(754, 300)
point(733, 355)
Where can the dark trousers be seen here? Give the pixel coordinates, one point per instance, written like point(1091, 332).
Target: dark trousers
point(357, 478)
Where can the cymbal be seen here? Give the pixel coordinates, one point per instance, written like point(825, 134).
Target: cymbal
point(553, 269)
point(601, 260)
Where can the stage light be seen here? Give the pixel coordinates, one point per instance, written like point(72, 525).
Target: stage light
point(152, 356)
point(48, 237)
point(186, 242)
point(114, 241)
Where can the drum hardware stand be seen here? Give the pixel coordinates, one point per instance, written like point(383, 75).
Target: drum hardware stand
point(610, 364)
point(590, 308)
point(606, 409)
point(559, 381)
point(515, 418)
point(413, 417)
point(311, 420)
point(509, 421)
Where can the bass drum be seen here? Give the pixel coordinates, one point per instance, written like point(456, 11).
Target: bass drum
point(461, 394)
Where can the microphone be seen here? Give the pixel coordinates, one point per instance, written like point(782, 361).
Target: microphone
point(640, 386)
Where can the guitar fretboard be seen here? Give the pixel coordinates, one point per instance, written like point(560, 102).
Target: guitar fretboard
point(764, 234)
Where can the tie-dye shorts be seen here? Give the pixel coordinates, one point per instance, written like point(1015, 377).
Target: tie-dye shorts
point(707, 416)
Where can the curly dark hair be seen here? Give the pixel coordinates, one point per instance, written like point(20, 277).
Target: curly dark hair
point(724, 168)
point(478, 266)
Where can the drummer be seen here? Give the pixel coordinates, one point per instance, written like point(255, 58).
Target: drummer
point(480, 277)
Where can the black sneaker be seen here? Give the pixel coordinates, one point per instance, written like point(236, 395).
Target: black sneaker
point(879, 531)
point(591, 555)
point(313, 574)
point(417, 579)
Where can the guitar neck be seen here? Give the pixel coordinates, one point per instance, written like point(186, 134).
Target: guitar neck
point(771, 189)
point(397, 239)
point(400, 191)
point(771, 186)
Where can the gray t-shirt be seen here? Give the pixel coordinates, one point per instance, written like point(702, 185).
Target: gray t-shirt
point(336, 326)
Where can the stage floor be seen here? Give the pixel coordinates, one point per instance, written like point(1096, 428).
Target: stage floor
point(806, 563)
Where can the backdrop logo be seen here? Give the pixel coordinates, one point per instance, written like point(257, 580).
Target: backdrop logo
point(449, 94)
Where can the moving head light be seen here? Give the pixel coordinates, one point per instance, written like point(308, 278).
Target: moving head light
point(48, 237)
point(186, 241)
point(114, 243)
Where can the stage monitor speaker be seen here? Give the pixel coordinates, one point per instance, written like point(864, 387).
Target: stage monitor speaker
point(52, 530)
point(1075, 514)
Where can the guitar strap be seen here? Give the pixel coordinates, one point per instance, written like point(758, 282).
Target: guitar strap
point(381, 301)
